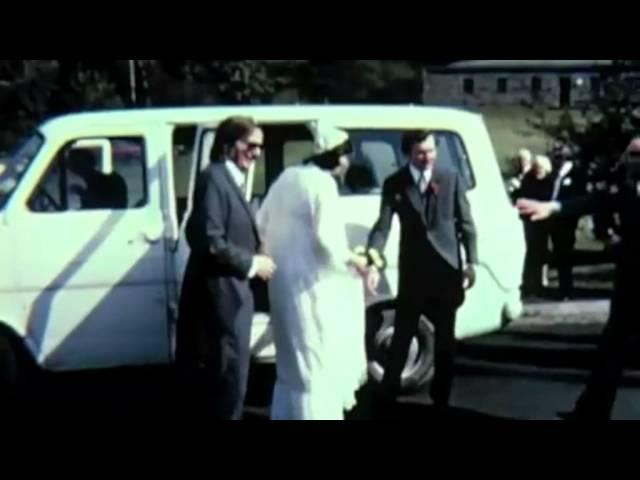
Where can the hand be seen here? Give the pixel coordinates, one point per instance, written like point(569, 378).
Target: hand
point(361, 265)
point(265, 267)
point(469, 277)
point(535, 210)
point(373, 280)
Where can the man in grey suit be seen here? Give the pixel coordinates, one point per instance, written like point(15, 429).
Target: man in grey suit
point(435, 216)
point(217, 305)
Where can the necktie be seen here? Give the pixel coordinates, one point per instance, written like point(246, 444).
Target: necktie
point(423, 183)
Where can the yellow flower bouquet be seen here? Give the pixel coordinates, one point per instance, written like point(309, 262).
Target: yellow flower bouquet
point(373, 256)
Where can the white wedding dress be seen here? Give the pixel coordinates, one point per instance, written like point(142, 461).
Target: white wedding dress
point(317, 303)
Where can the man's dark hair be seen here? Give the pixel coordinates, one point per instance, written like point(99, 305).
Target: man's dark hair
point(413, 137)
point(331, 159)
point(229, 132)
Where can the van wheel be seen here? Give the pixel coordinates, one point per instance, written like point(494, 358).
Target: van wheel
point(419, 368)
point(8, 369)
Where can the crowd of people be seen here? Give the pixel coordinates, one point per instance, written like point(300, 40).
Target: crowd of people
point(298, 244)
point(559, 176)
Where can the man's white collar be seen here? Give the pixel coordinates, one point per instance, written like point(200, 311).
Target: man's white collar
point(238, 175)
point(565, 169)
point(418, 174)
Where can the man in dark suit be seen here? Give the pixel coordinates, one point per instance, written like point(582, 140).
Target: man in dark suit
point(568, 182)
point(622, 332)
point(217, 305)
point(435, 216)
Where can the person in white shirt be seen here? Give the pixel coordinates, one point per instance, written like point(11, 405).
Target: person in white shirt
point(568, 182)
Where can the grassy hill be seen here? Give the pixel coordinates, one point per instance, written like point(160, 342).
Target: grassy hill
point(511, 130)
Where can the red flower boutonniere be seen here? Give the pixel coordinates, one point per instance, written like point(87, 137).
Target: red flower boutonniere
point(435, 188)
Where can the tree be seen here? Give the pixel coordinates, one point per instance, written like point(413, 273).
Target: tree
point(610, 120)
point(360, 81)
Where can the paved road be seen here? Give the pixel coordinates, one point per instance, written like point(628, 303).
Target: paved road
point(532, 370)
point(536, 367)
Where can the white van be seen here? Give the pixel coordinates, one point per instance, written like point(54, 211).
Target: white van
point(98, 288)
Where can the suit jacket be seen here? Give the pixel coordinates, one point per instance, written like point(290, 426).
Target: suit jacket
point(572, 185)
point(535, 188)
point(216, 300)
point(432, 229)
point(569, 186)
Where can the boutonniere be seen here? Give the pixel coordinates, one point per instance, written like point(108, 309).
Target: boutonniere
point(434, 188)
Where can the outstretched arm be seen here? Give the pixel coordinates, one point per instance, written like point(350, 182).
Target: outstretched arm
point(379, 235)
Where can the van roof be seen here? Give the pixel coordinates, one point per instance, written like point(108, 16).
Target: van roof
point(346, 116)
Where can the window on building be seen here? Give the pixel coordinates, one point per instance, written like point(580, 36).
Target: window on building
point(502, 85)
point(536, 85)
point(596, 86)
point(468, 86)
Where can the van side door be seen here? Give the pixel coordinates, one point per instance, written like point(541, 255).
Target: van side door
point(92, 251)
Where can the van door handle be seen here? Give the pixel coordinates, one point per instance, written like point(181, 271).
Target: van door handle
point(151, 236)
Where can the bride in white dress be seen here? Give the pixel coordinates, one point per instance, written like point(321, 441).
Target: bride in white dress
point(317, 295)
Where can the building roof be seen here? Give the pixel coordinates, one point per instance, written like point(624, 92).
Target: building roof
point(481, 66)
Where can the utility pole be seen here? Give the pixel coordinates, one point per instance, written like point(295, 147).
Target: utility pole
point(132, 81)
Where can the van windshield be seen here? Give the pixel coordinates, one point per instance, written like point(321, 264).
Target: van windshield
point(13, 167)
point(377, 154)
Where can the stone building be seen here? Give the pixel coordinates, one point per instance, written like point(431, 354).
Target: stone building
point(554, 83)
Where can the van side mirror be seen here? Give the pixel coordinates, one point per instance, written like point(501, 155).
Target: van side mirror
point(102, 148)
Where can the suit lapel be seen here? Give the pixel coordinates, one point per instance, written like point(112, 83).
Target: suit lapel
point(432, 199)
point(413, 194)
point(234, 187)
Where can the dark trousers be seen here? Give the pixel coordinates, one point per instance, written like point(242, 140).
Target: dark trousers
point(603, 222)
point(620, 338)
point(537, 238)
point(214, 345)
point(442, 314)
point(563, 239)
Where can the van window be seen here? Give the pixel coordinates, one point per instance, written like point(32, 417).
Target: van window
point(15, 166)
point(74, 182)
point(184, 138)
point(377, 155)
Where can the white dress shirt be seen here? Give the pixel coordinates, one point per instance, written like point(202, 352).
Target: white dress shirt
point(238, 175)
point(422, 178)
point(240, 178)
point(560, 180)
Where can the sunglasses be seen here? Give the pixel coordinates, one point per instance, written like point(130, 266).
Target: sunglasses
point(253, 145)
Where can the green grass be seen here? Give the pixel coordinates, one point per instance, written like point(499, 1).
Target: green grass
point(510, 131)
